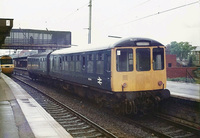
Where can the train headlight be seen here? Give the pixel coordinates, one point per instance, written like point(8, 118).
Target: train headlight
point(160, 83)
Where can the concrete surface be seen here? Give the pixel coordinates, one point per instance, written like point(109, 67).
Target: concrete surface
point(187, 90)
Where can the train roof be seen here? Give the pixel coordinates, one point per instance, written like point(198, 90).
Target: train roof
point(131, 41)
point(5, 57)
point(40, 54)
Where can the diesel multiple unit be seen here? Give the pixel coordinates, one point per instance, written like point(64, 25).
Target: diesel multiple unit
point(129, 75)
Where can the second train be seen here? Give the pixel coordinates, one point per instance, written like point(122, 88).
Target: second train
point(7, 64)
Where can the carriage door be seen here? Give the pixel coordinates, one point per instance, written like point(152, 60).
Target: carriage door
point(143, 76)
point(122, 75)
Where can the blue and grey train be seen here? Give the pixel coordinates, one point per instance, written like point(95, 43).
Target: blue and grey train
point(129, 75)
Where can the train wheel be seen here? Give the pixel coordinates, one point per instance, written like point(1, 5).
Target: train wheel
point(135, 109)
point(128, 107)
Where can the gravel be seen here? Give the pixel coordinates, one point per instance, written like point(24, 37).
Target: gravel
point(104, 117)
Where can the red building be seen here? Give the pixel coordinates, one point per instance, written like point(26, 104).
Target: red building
point(171, 61)
point(173, 71)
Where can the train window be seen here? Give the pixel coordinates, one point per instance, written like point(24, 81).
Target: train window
point(108, 63)
point(90, 57)
point(65, 58)
point(100, 67)
point(143, 59)
point(72, 58)
point(60, 60)
point(71, 66)
point(158, 58)
point(83, 63)
point(96, 56)
point(78, 66)
point(124, 59)
point(100, 63)
point(90, 67)
point(6, 61)
point(78, 57)
point(100, 56)
point(53, 62)
point(55, 65)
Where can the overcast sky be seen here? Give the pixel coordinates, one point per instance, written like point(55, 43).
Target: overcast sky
point(137, 18)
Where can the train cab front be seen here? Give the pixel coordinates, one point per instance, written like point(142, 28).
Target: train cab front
point(139, 71)
point(7, 65)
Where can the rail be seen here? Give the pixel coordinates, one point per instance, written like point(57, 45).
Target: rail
point(76, 124)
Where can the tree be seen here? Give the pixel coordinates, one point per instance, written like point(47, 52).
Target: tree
point(181, 49)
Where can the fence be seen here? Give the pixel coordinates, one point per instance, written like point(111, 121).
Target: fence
point(182, 72)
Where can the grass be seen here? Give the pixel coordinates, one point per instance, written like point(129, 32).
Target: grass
point(184, 80)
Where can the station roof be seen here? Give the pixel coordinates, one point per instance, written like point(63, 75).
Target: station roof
point(5, 28)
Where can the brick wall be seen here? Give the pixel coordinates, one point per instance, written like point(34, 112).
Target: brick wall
point(177, 72)
point(171, 60)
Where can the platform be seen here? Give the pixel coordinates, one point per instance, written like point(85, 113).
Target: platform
point(188, 91)
point(21, 116)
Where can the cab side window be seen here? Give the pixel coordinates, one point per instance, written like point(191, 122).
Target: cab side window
point(158, 58)
point(124, 58)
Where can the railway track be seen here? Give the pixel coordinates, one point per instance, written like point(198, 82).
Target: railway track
point(157, 125)
point(76, 124)
point(163, 127)
point(185, 124)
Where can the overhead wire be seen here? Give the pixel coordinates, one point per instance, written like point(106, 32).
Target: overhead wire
point(74, 11)
point(77, 10)
point(161, 12)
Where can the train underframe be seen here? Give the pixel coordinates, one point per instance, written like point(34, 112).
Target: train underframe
point(120, 102)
